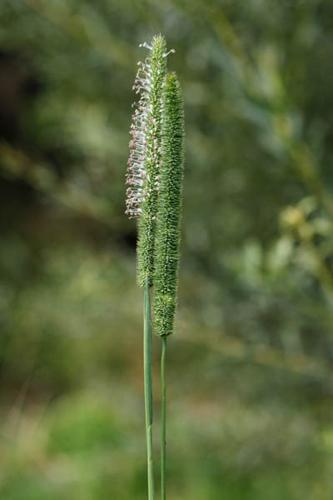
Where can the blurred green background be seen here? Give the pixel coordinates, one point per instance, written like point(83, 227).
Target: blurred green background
point(250, 366)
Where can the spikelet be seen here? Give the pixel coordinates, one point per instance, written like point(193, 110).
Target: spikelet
point(169, 208)
point(145, 154)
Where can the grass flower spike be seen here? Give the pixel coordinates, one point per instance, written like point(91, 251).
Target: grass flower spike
point(169, 208)
point(145, 154)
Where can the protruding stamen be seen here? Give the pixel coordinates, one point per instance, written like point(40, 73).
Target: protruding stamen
point(171, 51)
point(145, 45)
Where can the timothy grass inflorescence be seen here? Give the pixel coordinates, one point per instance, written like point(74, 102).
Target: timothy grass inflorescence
point(145, 154)
point(169, 207)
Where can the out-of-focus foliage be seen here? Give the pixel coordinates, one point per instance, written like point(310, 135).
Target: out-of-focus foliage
point(250, 367)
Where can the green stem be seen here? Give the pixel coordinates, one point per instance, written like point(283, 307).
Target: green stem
point(148, 388)
point(163, 416)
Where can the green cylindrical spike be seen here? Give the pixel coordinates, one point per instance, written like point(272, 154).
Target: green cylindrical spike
point(169, 207)
point(147, 219)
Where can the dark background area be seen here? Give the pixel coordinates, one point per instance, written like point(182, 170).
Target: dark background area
point(250, 365)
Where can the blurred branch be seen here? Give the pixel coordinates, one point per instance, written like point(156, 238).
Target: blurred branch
point(16, 164)
point(259, 355)
point(84, 29)
point(245, 72)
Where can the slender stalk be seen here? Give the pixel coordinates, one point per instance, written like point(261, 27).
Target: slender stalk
point(163, 416)
point(148, 388)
